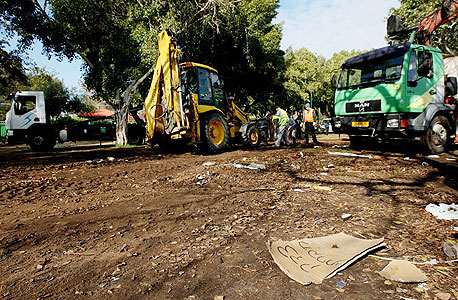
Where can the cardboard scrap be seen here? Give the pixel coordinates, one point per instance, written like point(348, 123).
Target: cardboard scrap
point(403, 271)
point(314, 259)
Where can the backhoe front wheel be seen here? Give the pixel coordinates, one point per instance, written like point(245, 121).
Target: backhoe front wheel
point(216, 133)
point(253, 137)
point(437, 136)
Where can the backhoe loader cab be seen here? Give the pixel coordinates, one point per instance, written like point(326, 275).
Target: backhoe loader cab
point(187, 102)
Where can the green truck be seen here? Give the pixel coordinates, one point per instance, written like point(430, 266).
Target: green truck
point(400, 91)
point(407, 90)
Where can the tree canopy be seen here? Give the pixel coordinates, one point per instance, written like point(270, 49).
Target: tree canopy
point(412, 12)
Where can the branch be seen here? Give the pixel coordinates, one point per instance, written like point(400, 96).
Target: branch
point(45, 14)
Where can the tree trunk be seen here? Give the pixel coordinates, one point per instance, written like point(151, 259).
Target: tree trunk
point(122, 109)
point(121, 115)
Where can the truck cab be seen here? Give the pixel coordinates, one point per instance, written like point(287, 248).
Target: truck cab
point(399, 91)
point(27, 121)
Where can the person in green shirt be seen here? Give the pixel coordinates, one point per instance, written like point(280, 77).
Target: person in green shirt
point(282, 132)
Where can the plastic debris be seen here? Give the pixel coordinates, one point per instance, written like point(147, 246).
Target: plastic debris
point(450, 159)
point(403, 271)
point(111, 159)
point(345, 216)
point(406, 158)
point(443, 211)
point(433, 156)
point(330, 166)
point(424, 164)
point(340, 284)
point(299, 155)
point(209, 163)
point(349, 154)
point(450, 249)
point(251, 166)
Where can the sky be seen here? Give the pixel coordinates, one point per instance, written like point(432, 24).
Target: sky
point(322, 26)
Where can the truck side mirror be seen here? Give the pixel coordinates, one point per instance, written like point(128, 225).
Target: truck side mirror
point(451, 86)
point(425, 64)
point(334, 81)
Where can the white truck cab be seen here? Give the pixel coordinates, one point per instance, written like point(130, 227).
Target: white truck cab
point(26, 121)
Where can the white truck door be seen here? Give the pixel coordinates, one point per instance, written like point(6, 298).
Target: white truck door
point(27, 108)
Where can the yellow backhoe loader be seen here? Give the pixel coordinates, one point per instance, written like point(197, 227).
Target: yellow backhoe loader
point(186, 102)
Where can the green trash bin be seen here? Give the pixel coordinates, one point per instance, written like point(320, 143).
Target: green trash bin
point(2, 131)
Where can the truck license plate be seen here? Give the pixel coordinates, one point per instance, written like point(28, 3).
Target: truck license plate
point(359, 124)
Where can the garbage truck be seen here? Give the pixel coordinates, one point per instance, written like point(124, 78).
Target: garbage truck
point(406, 90)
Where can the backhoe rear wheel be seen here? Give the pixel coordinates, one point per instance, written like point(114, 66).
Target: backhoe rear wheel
point(216, 133)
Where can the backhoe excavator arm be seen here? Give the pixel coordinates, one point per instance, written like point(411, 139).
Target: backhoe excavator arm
point(445, 14)
point(163, 105)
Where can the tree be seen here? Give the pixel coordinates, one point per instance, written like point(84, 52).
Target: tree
point(308, 78)
point(12, 72)
point(412, 12)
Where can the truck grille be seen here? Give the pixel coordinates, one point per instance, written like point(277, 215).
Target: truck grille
point(364, 106)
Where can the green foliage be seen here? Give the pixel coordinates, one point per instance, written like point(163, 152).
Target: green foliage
point(308, 74)
point(12, 71)
point(412, 12)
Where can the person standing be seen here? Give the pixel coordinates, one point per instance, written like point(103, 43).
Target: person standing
point(309, 122)
point(282, 132)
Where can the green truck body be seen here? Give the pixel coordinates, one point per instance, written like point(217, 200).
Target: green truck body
point(399, 91)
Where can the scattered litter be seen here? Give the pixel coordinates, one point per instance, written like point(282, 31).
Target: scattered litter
point(299, 155)
point(345, 216)
point(335, 146)
point(110, 158)
point(387, 282)
point(251, 166)
point(209, 163)
point(405, 298)
point(340, 284)
point(406, 158)
point(315, 187)
point(314, 259)
point(403, 271)
point(349, 154)
point(450, 159)
point(324, 173)
point(316, 147)
point(424, 164)
point(330, 166)
point(443, 211)
point(444, 296)
point(450, 249)
point(455, 228)
point(219, 298)
point(433, 156)
point(421, 288)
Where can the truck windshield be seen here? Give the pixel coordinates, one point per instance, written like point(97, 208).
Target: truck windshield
point(371, 73)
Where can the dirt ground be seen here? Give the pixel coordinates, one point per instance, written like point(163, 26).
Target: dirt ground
point(100, 222)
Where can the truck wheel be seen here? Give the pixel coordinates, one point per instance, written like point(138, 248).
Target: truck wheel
point(216, 133)
point(437, 136)
point(41, 141)
point(253, 137)
point(134, 138)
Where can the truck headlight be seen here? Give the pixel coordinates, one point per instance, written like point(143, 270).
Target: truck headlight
point(393, 123)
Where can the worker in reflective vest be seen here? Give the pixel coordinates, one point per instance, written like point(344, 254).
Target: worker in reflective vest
point(309, 122)
point(282, 132)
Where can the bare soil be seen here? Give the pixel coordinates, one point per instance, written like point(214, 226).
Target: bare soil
point(100, 222)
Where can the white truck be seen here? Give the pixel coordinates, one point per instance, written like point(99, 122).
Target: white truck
point(28, 122)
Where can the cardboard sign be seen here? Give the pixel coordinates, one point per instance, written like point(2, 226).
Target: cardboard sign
point(313, 260)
